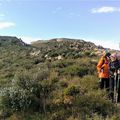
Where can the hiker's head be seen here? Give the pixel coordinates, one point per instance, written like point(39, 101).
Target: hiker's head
point(113, 56)
point(106, 54)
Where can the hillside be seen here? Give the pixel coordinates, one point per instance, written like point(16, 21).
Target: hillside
point(67, 47)
point(52, 80)
point(12, 45)
point(8, 40)
point(14, 54)
point(65, 43)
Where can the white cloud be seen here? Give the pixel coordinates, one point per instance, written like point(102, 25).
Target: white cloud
point(28, 40)
point(105, 9)
point(4, 25)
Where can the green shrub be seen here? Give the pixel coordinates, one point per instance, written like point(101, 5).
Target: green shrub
point(75, 70)
point(62, 63)
point(17, 98)
point(63, 84)
point(87, 53)
point(53, 54)
point(26, 93)
point(88, 105)
point(58, 116)
point(92, 54)
point(71, 90)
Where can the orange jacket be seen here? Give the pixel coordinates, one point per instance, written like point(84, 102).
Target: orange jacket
point(102, 67)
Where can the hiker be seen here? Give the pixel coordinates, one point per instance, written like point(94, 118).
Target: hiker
point(103, 70)
point(114, 71)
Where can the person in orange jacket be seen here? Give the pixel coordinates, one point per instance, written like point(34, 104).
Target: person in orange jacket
point(103, 70)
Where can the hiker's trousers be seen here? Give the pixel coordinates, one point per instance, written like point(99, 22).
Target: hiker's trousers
point(114, 84)
point(104, 83)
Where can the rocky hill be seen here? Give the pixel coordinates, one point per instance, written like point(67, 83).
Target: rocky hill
point(66, 47)
point(52, 48)
point(57, 43)
point(57, 48)
point(8, 41)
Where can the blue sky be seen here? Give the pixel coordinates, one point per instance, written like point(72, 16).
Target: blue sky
point(97, 21)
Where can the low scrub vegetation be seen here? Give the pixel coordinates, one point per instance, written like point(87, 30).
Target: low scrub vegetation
point(33, 87)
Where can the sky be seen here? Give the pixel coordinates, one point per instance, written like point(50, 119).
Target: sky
point(97, 21)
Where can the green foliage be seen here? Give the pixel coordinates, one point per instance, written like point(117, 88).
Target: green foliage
point(87, 53)
point(75, 70)
point(58, 115)
point(71, 90)
point(25, 93)
point(62, 63)
point(91, 104)
point(32, 88)
point(63, 84)
point(53, 54)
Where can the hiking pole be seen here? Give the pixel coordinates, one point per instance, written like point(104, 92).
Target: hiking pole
point(118, 82)
point(115, 88)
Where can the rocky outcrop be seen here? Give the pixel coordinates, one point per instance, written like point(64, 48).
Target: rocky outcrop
point(8, 40)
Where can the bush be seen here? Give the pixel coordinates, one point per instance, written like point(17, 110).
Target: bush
point(25, 93)
point(58, 116)
point(63, 84)
point(53, 54)
point(71, 90)
point(75, 70)
point(53, 77)
point(87, 53)
point(89, 105)
point(17, 98)
point(62, 63)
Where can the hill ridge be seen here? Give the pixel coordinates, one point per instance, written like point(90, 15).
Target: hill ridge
point(8, 40)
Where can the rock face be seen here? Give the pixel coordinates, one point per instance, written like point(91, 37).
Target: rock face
point(8, 40)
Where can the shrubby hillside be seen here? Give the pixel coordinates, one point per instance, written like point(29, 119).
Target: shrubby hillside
point(52, 80)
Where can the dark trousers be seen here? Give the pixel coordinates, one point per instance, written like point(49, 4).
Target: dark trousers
point(104, 83)
point(119, 93)
point(119, 88)
point(111, 93)
point(114, 83)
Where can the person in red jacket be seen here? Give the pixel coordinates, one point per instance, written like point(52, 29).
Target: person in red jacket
point(103, 70)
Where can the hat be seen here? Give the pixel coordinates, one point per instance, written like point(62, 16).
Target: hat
point(114, 55)
point(107, 53)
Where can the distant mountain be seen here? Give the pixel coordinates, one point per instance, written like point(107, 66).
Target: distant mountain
point(67, 47)
point(8, 40)
point(64, 47)
point(64, 42)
